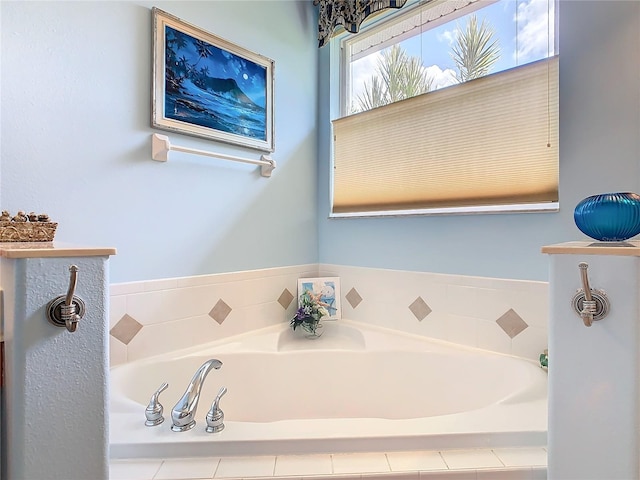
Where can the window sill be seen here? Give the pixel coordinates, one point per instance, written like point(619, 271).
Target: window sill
point(484, 209)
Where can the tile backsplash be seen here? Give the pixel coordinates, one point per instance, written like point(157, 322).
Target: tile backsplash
point(501, 315)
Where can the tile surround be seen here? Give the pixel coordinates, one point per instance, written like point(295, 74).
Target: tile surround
point(501, 315)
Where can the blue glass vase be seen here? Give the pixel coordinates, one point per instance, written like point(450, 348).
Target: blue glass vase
point(609, 217)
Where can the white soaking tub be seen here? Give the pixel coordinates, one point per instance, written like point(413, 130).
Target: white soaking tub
point(357, 388)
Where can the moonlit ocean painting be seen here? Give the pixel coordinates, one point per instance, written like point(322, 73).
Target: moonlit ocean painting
point(213, 88)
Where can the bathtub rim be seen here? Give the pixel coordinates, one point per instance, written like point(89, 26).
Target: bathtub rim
point(129, 438)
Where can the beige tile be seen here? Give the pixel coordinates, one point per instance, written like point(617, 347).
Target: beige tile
point(133, 469)
point(126, 329)
point(245, 467)
point(285, 298)
point(360, 463)
point(353, 297)
point(420, 308)
point(220, 311)
point(427, 460)
point(520, 457)
point(187, 468)
point(511, 323)
point(303, 465)
point(472, 459)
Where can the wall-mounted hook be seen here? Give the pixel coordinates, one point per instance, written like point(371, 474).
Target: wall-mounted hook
point(67, 310)
point(591, 305)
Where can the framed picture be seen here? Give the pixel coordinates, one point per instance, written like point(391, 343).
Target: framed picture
point(208, 87)
point(329, 290)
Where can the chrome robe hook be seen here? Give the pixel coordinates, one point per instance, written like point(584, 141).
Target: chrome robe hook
point(67, 310)
point(591, 305)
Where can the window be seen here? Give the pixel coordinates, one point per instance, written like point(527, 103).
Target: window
point(449, 107)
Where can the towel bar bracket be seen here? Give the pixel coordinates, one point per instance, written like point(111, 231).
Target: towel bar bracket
point(161, 146)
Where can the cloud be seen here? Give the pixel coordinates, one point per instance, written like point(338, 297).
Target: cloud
point(535, 35)
point(363, 69)
point(441, 78)
point(448, 36)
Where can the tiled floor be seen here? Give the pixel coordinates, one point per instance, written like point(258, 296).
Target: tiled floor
point(480, 464)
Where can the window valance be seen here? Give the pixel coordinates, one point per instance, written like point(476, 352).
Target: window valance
point(348, 14)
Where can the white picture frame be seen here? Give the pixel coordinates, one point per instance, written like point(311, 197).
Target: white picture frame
point(329, 290)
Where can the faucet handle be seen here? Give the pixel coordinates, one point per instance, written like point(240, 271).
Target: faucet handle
point(154, 410)
point(215, 417)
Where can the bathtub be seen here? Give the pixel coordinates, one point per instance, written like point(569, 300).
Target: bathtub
point(355, 389)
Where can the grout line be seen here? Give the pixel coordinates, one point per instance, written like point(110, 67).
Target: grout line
point(444, 460)
point(386, 457)
point(498, 457)
point(159, 468)
point(215, 470)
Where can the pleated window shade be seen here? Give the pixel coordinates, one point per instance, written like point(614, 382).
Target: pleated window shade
point(490, 141)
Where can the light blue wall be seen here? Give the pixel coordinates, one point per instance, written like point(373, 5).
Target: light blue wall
point(75, 105)
point(599, 152)
point(75, 143)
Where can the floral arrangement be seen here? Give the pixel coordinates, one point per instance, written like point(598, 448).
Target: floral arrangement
point(544, 359)
point(310, 311)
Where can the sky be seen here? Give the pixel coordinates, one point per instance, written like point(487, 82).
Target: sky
point(521, 27)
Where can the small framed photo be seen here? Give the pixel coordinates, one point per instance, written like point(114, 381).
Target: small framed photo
point(329, 290)
point(209, 87)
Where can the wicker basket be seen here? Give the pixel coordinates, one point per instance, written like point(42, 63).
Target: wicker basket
point(27, 231)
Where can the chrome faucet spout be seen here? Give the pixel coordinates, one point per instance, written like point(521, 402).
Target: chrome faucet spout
point(184, 411)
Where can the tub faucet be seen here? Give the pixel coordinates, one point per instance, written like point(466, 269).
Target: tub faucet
point(184, 411)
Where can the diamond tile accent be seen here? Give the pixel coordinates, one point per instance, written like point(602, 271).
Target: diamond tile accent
point(126, 328)
point(420, 308)
point(220, 311)
point(286, 297)
point(511, 323)
point(353, 297)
